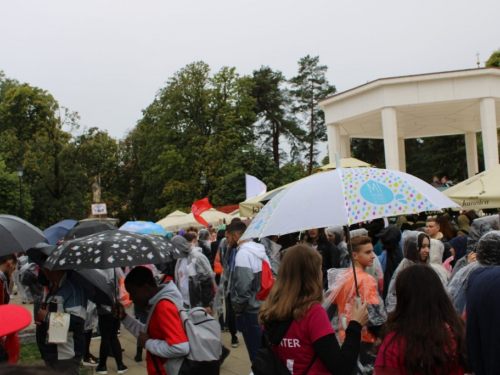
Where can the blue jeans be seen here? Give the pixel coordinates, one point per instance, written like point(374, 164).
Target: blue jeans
point(248, 325)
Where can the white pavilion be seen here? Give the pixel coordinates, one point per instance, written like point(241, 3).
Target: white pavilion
point(418, 106)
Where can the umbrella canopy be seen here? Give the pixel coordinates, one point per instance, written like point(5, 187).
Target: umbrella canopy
point(171, 219)
point(145, 227)
point(17, 235)
point(56, 232)
point(211, 216)
point(87, 228)
point(479, 192)
point(344, 197)
point(95, 284)
point(112, 249)
point(346, 163)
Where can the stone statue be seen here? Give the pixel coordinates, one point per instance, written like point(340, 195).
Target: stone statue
point(96, 189)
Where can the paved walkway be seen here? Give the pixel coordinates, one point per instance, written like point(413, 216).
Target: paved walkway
point(237, 363)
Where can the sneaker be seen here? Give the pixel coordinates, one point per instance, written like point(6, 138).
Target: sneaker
point(121, 369)
point(95, 336)
point(101, 370)
point(90, 362)
point(224, 355)
point(235, 342)
point(119, 333)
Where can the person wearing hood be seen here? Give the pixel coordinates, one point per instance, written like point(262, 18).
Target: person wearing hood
point(416, 248)
point(483, 328)
point(245, 284)
point(163, 335)
point(463, 225)
point(392, 255)
point(336, 235)
point(458, 249)
point(435, 259)
point(488, 254)
point(193, 275)
point(204, 242)
point(479, 227)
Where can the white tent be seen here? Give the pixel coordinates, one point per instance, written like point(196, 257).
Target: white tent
point(212, 216)
point(171, 219)
point(479, 192)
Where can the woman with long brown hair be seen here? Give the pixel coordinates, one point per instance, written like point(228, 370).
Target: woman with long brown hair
point(329, 252)
point(424, 335)
point(297, 326)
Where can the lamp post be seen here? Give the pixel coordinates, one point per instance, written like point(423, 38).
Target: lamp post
point(20, 172)
point(203, 181)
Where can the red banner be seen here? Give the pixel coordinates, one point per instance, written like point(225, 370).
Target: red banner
point(198, 208)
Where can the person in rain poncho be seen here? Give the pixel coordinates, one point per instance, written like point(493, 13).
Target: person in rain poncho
point(488, 254)
point(458, 248)
point(479, 227)
point(435, 257)
point(336, 235)
point(193, 274)
point(341, 297)
point(416, 248)
point(391, 256)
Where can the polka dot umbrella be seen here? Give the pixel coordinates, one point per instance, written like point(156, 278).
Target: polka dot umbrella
point(345, 197)
point(112, 249)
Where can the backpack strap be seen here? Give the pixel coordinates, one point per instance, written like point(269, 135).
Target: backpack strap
point(155, 363)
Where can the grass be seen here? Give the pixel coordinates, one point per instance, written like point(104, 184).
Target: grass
point(30, 355)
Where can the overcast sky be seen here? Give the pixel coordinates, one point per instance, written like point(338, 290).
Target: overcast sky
point(107, 59)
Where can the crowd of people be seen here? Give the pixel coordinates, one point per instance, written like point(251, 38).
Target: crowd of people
point(375, 298)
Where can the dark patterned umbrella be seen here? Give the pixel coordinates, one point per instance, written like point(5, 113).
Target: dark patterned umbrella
point(112, 249)
point(94, 283)
point(87, 228)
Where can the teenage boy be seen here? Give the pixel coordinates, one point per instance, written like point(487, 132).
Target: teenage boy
point(343, 295)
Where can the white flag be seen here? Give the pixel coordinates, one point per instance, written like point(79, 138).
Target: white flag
point(255, 187)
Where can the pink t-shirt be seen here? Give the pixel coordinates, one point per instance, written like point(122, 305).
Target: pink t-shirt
point(297, 350)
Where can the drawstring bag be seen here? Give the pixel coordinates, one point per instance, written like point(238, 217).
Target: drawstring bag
point(266, 281)
point(218, 265)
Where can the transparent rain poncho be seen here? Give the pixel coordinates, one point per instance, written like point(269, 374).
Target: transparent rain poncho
point(340, 299)
point(436, 260)
point(28, 277)
point(478, 228)
point(488, 254)
point(90, 316)
point(411, 253)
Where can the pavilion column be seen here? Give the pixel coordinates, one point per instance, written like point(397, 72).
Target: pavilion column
point(334, 144)
point(390, 130)
point(402, 154)
point(489, 130)
point(471, 152)
point(345, 146)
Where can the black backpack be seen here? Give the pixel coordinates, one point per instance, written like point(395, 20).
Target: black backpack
point(266, 362)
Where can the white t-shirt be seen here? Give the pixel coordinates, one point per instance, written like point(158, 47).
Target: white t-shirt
point(184, 281)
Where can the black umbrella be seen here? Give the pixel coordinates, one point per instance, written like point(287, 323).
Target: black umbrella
point(17, 235)
point(87, 228)
point(112, 249)
point(93, 282)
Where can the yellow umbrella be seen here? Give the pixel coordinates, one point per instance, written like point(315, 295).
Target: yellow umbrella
point(346, 163)
point(479, 192)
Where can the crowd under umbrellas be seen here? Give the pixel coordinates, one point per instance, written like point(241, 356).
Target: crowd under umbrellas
point(342, 197)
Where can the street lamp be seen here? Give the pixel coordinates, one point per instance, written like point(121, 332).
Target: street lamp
point(20, 172)
point(203, 179)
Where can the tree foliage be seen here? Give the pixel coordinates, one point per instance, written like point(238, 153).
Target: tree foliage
point(494, 59)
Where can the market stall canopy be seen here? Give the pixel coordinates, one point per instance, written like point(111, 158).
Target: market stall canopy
point(171, 219)
point(211, 216)
point(479, 192)
point(346, 163)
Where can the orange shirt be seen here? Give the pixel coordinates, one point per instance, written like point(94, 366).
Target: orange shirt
point(345, 299)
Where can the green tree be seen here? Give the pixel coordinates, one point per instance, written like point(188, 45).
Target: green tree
point(308, 87)
point(273, 110)
point(494, 59)
point(9, 193)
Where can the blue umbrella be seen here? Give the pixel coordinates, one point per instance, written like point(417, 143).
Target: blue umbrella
point(56, 232)
point(144, 227)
